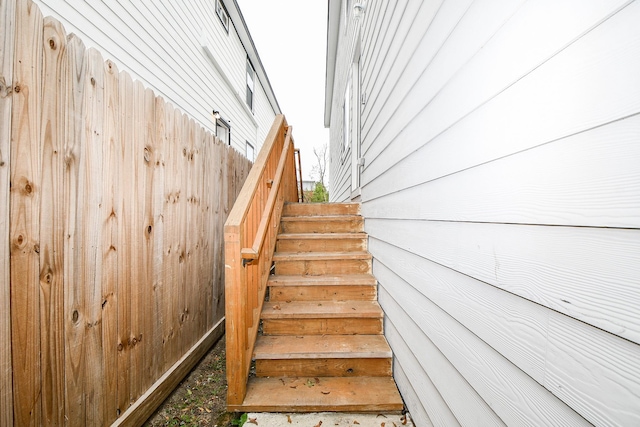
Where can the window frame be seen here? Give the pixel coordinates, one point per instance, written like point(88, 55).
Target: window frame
point(250, 76)
point(222, 123)
point(223, 15)
point(253, 151)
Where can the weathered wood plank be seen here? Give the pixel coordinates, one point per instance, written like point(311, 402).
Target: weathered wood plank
point(125, 253)
point(323, 326)
point(356, 394)
point(324, 367)
point(311, 347)
point(7, 40)
point(112, 239)
point(52, 217)
point(147, 311)
point(75, 313)
point(92, 237)
point(25, 214)
point(159, 283)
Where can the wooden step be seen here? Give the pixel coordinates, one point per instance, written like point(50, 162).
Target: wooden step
point(306, 209)
point(317, 263)
point(322, 318)
point(314, 346)
point(321, 242)
point(323, 224)
point(361, 287)
point(354, 367)
point(319, 394)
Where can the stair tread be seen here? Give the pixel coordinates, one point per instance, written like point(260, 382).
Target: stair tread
point(301, 256)
point(342, 394)
point(319, 236)
point(319, 346)
point(320, 218)
point(321, 309)
point(325, 280)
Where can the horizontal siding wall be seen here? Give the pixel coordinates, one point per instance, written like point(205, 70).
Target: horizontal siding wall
point(160, 44)
point(501, 191)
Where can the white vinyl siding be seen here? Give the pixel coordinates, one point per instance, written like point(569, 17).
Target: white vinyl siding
point(160, 43)
point(501, 194)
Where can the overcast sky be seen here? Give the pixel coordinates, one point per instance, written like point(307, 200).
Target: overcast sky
point(290, 36)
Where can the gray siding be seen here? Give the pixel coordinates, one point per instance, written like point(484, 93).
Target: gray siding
point(501, 191)
point(160, 43)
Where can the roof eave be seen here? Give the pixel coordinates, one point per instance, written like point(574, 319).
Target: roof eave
point(333, 27)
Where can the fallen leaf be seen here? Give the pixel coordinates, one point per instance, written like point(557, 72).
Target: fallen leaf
point(317, 380)
point(277, 307)
point(293, 386)
point(189, 392)
point(282, 381)
point(253, 421)
point(395, 425)
point(319, 424)
point(356, 422)
point(310, 383)
point(403, 419)
point(381, 424)
point(325, 392)
point(381, 415)
point(289, 419)
point(208, 410)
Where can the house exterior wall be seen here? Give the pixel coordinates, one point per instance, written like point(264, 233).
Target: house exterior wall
point(162, 44)
point(501, 194)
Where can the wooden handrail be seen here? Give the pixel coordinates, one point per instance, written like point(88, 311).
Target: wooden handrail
point(253, 252)
point(301, 189)
point(250, 235)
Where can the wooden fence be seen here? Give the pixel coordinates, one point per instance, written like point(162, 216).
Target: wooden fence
point(112, 205)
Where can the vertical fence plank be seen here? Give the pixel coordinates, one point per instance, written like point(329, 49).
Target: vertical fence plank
point(147, 307)
point(74, 295)
point(136, 241)
point(111, 215)
point(127, 201)
point(184, 228)
point(170, 250)
point(25, 213)
point(52, 214)
point(91, 236)
point(7, 20)
point(158, 237)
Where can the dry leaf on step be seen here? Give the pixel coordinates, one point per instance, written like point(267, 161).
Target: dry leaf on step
point(319, 424)
point(253, 421)
point(289, 419)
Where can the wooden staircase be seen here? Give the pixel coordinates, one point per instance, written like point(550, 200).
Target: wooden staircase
point(321, 346)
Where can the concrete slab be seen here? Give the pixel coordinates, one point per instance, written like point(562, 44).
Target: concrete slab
point(327, 419)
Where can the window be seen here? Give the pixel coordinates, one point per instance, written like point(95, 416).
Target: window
point(346, 116)
point(251, 75)
point(250, 152)
point(222, 14)
point(223, 131)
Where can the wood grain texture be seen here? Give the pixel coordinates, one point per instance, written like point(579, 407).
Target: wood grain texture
point(410, 397)
point(125, 253)
point(322, 326)
point(311, 347)
point(597, 268)
point(52, 216)
point(24, 201)
point(355, 394)
point(75, 314)
point(324, 367)
point(447, 394)
point(113, 240)
point(92, 238)
point(512, 394)
point(7, 22)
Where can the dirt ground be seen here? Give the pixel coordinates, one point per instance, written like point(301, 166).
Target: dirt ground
point(201, 398)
